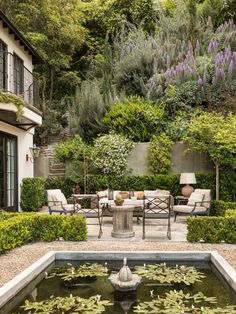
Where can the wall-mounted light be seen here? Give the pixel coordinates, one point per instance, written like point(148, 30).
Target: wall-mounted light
point(34, 151)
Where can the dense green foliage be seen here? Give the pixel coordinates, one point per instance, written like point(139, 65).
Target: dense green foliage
point(32, 194)
point(109, 154)
point(22, 228)
point(159, 154)
point(135, 118)
point(145, 182)
point(212, 229)
point(215, 135)
point(219, 208)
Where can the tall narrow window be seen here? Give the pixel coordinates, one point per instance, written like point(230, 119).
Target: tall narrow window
point(18, 75)
point(3, 66)
point(8, 172)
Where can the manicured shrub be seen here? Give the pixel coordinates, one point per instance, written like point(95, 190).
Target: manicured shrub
point(32, 194)
point(144, 182)
point(47, 227)
point(135, 118)
point(159, 153)
point(15, 231)
point(212, 229)
point(74, 228)
point(25, 227)
point(218, 208)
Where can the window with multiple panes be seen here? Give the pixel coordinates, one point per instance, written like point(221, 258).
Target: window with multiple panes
point(8, 171)
point(3, 66)
point(18, 75)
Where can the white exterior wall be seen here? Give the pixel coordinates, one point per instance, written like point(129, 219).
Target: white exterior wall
point(24, 141)
point(24, 138)
point(14, 46)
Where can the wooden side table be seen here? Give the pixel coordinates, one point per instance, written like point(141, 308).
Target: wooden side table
point(123, 221)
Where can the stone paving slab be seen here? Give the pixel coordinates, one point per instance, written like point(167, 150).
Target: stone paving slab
point(156, 230)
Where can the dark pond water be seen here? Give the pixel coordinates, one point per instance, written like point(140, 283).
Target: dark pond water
point(211, 285)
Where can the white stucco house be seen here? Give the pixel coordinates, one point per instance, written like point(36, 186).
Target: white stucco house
point(17, 59)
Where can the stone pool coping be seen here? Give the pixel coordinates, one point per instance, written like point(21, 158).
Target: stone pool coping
point(14, 286)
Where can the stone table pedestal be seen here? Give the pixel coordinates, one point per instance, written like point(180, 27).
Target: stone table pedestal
point(122, 221)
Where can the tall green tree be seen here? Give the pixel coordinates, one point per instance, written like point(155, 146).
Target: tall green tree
point(215, 135)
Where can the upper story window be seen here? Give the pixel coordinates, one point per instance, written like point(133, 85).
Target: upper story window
point(18, 75)
point(3, 66)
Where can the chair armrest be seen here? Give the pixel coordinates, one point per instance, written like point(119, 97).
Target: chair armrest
point(55, 203)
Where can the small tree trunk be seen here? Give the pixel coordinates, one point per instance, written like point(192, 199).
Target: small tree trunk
point(52, 85)
point(217, 181)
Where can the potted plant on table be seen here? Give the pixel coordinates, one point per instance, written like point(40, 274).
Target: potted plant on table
point(119, 200)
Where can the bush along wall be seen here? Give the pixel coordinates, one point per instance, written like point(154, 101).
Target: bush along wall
point(212, 229)
point(147, 182)
point(32, 194)
point(25, 227)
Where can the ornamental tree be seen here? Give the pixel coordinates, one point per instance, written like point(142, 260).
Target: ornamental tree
point(215, 135)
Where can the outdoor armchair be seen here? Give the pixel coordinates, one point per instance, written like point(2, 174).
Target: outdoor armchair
point(157, 207)
point(57, 203)
point(198, 203)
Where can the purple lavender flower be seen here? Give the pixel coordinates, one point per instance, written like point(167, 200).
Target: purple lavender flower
point(234, 58)
point(220, 73)
point(190, 48)
point(200, 81)
point(188, 56)
point(153, 46)
point(198, 46)
point(153, 83)
point(231, 66)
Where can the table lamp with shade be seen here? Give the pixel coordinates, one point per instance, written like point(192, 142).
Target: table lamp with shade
point(187, 179)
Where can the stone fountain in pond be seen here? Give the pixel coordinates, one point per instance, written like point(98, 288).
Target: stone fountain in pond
point(124, 280)
point(125, 284)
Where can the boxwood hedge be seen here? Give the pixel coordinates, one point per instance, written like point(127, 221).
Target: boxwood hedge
point(24, 227)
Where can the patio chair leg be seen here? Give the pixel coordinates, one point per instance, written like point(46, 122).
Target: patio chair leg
point(143, 228)
point(175, 214)
point(100, 225)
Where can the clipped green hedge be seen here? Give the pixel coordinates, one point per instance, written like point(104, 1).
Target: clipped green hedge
point(212, 229)
point(218, 208)
point(22, 228)
point(32, 194)
point(145, 182)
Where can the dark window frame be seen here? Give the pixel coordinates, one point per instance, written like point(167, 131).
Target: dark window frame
point(5, 189)
point(4, 86)
point(18, 74)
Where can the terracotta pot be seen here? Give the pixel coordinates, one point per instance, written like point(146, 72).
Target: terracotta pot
point(119, 202)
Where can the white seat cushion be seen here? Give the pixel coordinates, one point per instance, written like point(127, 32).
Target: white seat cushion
point(207, 195)
point(59, 197)
point(162, 192)
point(102, 194)
point(195, 197)
point(188, 209)
point(67, 207)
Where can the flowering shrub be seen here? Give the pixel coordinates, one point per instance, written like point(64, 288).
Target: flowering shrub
point(110, 152)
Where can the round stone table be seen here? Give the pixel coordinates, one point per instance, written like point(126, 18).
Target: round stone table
point(122, 221)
